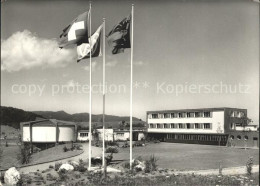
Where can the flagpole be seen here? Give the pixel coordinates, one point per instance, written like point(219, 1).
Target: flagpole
point(104, 82)
point(131, 88)
point(90, 90)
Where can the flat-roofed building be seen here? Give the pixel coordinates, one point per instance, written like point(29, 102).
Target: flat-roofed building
point(202, 126)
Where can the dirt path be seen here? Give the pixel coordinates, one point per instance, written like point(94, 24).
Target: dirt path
point(95, 152)
point(225, 171)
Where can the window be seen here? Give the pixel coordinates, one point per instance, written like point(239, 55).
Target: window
point(188, 125)
point(245, 137)
point(207, 125)
point(197, 126)
point(166, 115)
point(83, 134)
point(181, 126)
point(152, 126)
point(239, 137)
point(232, 137)
point(207, 114)
point(174, 115)
point(232, 125)
point(190, 114)
point(165, 126)
point(154, 116)
point(172, 126)
point(158, 126)
point(120, 134)
point(182, 114)
point(161, 116)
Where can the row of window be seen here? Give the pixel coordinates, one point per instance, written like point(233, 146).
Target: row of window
point(180, 115)
point(182, 125)
point(237, 114)
point(199, 137)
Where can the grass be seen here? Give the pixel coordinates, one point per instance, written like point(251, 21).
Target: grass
point(51, 154)
point(192, 157)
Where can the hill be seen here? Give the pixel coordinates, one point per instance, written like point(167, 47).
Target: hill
point(81, 117)
point(12, 116)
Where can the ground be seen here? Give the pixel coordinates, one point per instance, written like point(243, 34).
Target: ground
point(9, 156)
point(191, 156)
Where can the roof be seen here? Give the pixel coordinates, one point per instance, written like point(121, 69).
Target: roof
point(49, 122)
point(194, 110)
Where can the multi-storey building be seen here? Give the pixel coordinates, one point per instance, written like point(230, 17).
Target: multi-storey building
point(203, 126)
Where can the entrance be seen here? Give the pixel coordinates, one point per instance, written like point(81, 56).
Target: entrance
point(255, 139)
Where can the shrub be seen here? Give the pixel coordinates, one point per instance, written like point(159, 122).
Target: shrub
point(125, 145)
point(63, 175)
point(57, 165)
point(111, 143)
point(51, 167)
point(81, 167)
point(109, 158)
point(65, 149)
point(249, 166)
point(112, 150)
point(151, 164)
point(24, 154)
point(2, 177)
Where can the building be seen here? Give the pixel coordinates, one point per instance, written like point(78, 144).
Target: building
point(121, 134)
point(48, 131)
point(83, 135)
point(213, 126)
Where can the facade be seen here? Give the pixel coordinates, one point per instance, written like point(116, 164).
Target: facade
point(211, 126)
point(48, 131)
point(121, 135)
point(83, 135)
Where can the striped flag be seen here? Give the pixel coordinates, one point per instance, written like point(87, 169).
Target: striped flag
point(83, 50)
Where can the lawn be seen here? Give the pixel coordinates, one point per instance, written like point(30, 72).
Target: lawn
point(191, 156)
point(9, 157)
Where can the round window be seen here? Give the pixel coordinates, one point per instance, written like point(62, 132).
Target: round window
point(232, 137)
point(246, 137)
point(239, 137)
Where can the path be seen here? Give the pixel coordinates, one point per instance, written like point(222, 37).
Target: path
point(225, 171)
point(95, 152)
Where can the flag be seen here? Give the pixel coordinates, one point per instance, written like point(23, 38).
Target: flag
point(76, 32)
point(83, 50)
point(119, 36)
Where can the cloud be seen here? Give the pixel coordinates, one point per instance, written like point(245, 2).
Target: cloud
point(94, 64)
point(139, 63)
point(24, 50)
point(111, 63)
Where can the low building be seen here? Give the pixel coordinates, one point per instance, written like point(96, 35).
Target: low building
point(213, 126)
point(83, 135)
point(121, 134)
point(48, 131)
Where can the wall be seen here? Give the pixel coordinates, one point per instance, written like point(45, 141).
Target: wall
point(217, 121)
point(252, 141)
point(108, 134)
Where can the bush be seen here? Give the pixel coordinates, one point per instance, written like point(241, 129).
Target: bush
point(111, 143)
point(151, 164)
point(2, 177)
point(51, 167)
point(109, 158)
point(63, 175)
point(112, 150)
point(24, 154)
point(57, 166)
point(65, 149)
point(125, 145)
point(249, 166)
point(81, 167)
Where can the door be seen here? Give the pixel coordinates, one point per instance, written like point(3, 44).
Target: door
point(255, 139)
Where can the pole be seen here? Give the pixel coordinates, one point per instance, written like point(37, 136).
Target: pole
point(131, 88)
point(104, 93)
point(90, 90)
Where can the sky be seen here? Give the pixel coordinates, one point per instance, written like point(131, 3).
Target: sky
point(187, 54)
